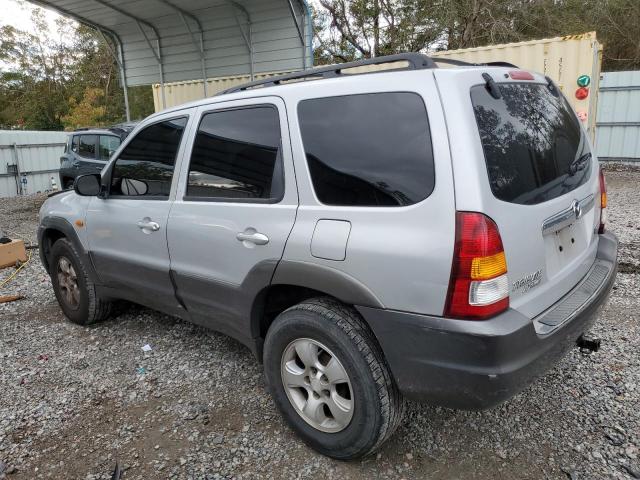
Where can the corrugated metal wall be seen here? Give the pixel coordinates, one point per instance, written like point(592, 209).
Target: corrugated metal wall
point(274, 38)
point(618, 125)
point(34, 154)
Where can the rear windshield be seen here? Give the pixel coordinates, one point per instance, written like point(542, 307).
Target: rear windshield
point(533, 145)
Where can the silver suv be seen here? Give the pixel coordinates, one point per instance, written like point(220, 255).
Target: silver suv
point(427, 233)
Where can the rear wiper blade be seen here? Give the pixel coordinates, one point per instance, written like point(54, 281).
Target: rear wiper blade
point(579, 163)
point(552, 87)
point(492, 86)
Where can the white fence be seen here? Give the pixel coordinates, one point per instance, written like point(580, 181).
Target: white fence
point(28, 160)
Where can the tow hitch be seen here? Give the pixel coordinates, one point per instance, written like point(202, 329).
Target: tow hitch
point(588, 345)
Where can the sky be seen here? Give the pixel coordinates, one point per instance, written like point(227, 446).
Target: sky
point(18, 14)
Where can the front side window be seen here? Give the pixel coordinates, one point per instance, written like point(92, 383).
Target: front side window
point(75, 143)
point(368, 150)
point(236, 156)
point(108, 145)
point(87, 146)
point(145, 166)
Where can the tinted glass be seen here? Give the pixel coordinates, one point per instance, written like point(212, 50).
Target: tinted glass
point(87, 146)
point(235, 155)
point(75, 143)
point(145, 166)
point(368, 150)
point(534, 147)
point(107, 146)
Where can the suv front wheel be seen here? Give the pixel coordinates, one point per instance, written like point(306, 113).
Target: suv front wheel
point(72, 286)
point(329, 379)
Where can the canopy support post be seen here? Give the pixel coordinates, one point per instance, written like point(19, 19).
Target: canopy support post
point(119, 57)
point(248, 41)
point(198, 44)
point(300, 33)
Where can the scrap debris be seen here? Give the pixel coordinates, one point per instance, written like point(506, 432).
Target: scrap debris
point(10, 298)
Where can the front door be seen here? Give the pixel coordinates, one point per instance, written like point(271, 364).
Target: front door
point(127, 229)
point(234, 209)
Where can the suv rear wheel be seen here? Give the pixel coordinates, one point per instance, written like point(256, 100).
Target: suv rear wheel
point(72, 286)
point(329, 379)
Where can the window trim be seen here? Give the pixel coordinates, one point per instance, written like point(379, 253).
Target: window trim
point(376, 92)
point(279, 159)
point(107, 177)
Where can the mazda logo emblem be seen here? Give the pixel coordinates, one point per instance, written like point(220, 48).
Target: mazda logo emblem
point(577, 209)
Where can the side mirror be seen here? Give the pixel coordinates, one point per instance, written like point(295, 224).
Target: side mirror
point(132, 187)
point(88, 185)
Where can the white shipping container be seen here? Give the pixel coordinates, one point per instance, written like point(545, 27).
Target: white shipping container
point(563, 59)
point(178, 93)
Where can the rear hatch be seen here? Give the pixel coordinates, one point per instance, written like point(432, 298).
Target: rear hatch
point(537, 178)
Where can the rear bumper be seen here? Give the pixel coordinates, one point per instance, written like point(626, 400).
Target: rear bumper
point(478, 364)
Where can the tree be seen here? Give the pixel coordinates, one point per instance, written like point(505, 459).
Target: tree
point(352, 29)
point(68, 80)
point(33, 91)
point(89, 111)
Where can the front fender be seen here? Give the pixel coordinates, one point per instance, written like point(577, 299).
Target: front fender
point(58, 216)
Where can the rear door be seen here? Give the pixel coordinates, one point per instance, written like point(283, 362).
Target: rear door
point(87, 154)
point(535, 175)
point(234, 210)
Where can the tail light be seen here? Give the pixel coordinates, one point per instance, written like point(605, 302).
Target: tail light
point(479, 287)
point(603, 202)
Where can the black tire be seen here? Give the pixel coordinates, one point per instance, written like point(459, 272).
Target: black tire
point(378, 405)
point(90, 308)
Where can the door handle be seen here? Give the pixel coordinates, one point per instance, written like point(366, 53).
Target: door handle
point(147, 225)
point(251, 236)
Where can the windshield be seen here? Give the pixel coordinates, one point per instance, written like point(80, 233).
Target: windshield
point(534, 147)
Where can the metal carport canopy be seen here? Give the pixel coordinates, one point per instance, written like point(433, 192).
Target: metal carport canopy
point(160, 41)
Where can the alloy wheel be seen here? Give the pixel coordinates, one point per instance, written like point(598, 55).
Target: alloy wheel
point(68, 283)
point(317, 385)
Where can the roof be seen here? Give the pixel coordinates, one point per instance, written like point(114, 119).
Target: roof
point(384, 65)
point(159, 41)
point(120, 130)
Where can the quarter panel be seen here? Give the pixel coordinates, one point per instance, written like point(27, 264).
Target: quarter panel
point(520, 225)
point(402, 254)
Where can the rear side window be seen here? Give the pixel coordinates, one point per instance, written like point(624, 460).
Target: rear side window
point(145, 166)
point(108, 145)
point(87, 146)
point(533, 145)
point(368, 150)
point(236, 156)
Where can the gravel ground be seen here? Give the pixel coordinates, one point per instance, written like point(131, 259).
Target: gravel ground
point(75, 400)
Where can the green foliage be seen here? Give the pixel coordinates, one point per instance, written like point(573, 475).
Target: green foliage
point(48, 83)
point(351, 29)
point(71, 80)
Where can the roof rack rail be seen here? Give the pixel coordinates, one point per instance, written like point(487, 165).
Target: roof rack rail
point(415, 61)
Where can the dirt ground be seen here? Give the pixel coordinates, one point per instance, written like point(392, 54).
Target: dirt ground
point(74, 401)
